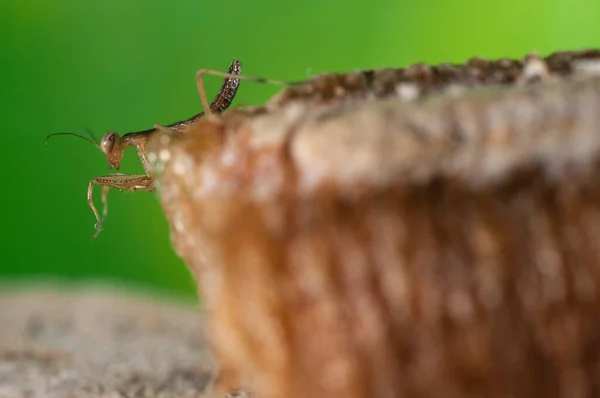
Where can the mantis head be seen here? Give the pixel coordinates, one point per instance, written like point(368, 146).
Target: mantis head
point(111, 146)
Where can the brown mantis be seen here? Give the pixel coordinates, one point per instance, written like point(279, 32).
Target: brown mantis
point(113, 145)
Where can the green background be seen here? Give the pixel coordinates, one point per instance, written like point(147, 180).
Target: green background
point(116, 65)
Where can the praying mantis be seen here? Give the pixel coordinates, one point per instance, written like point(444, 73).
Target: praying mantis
point(113, 145)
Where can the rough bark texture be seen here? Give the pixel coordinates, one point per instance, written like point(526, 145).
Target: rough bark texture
point(56, 343)
point(444, 246)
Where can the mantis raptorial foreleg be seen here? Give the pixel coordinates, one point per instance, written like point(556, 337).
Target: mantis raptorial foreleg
point(122, 182)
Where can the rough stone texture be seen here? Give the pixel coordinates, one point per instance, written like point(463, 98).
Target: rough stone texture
point(93, 342)
point(445, 245)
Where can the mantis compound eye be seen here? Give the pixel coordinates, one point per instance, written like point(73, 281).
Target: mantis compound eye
point(108, 142)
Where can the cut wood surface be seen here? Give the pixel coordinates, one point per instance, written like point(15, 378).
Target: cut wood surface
point(97, 342)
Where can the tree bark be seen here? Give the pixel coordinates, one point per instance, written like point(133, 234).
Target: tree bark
point(443, 246)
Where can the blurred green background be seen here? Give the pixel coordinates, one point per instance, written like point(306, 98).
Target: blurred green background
point(117, 65)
